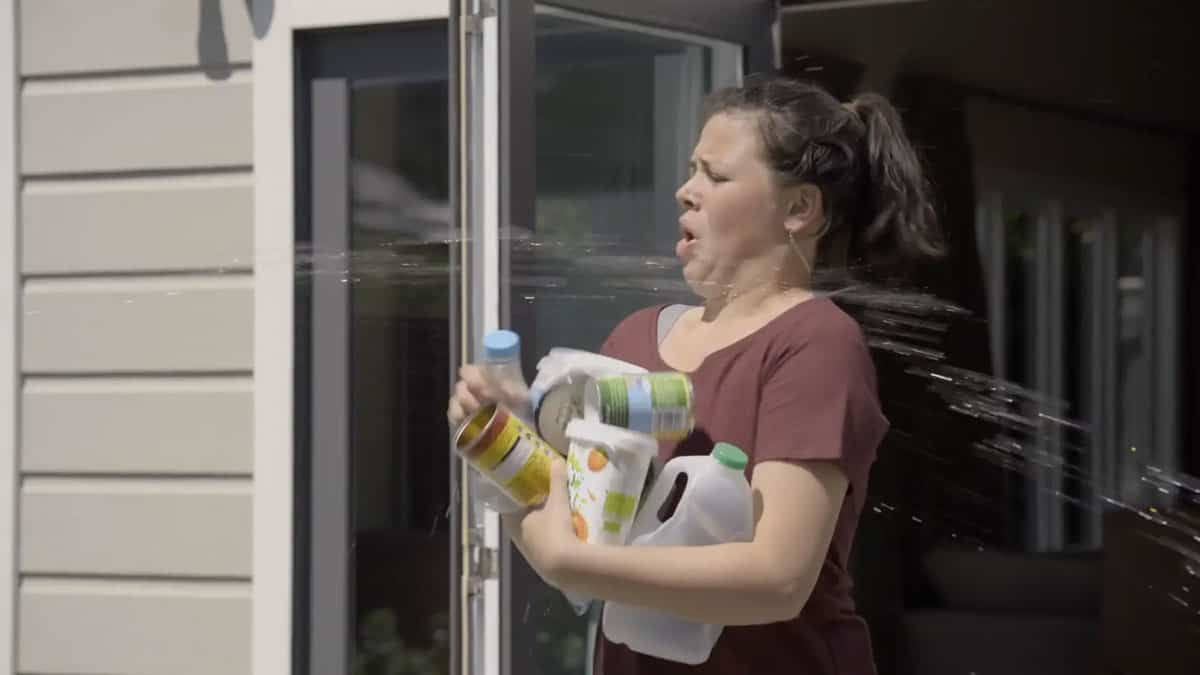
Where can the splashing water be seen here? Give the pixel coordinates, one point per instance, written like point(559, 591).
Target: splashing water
point(1018, 430)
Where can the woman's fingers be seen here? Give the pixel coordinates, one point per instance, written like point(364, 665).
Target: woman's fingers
point(471, 392)
point(455, 413)
point(477, 383)
point(475, 389)
point(558, 485)
point(466, 397)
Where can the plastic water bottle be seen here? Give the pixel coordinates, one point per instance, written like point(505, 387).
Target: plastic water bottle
point(714, 506)
point(502, 362)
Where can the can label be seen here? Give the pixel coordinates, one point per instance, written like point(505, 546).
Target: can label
point(508, 452)
point(659, 404)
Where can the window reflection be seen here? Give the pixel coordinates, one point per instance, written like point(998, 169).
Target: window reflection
point(400, 359)
point(1056, 541)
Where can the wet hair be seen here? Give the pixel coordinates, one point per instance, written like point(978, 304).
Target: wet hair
point(880, 218)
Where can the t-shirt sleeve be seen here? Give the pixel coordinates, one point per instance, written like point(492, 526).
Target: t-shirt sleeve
point(612, 345)
point(820, 402)
point(625, 342)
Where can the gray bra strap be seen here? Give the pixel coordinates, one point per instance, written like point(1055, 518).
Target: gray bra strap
point(667, 318)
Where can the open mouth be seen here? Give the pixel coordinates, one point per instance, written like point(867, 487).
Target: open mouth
point(686, 239)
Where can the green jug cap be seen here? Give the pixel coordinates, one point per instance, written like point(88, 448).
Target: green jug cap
point(730, 455)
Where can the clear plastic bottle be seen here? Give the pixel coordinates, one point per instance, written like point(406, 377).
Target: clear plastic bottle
point(502, 362)
point(714, 506)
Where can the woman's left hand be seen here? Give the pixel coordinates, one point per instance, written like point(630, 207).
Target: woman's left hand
point(545, 534)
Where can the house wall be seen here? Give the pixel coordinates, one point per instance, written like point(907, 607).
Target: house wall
point(134, 452)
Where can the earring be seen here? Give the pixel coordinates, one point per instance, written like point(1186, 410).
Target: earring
point(799, 253)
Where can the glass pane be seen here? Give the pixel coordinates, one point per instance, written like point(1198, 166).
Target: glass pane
point(617, 112)
point(1084, 474)
point(400, 359)
point(389, 144)
point(1133, 367)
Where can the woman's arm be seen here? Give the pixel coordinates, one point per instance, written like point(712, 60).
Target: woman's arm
point(765, 580)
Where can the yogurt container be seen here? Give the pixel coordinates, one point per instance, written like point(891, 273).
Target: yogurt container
point(607, 468)
point(608, 471)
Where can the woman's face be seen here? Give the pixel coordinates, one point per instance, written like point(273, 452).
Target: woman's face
point(732, 225)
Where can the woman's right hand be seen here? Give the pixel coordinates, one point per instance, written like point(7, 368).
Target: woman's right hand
point(472, 392)
point(476, 389)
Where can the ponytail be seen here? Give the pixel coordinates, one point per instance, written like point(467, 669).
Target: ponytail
point(902, 226)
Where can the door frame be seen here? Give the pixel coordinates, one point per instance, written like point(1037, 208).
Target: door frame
point(753, 23)
point(10, 329)
point(275, 23)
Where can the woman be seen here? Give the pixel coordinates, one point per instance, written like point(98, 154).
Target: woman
point(783, 176)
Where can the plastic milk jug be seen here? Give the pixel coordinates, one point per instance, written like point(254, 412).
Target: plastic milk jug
point(714, 506)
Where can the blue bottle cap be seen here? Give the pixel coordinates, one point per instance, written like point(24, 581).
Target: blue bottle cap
point(500, 345)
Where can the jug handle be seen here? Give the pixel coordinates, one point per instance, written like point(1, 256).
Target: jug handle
point(647, 522)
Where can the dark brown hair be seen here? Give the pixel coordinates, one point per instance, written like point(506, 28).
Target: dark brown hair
point(878, 204)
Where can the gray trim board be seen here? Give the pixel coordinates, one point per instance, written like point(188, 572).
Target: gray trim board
point(453, 50)
point(330, 395)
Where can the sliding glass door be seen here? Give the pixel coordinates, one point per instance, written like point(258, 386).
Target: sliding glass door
point(591, 109)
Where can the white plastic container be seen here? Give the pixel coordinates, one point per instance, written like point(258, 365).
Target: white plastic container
point(715, 507)
point(606, 475)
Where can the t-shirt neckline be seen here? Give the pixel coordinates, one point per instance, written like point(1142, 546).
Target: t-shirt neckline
point(816, 299)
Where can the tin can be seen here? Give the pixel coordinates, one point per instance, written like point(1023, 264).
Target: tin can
point(659, 404)
point(557, 407)
point(506, 451)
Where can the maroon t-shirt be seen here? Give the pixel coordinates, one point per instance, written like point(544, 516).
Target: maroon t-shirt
point(801, 388)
